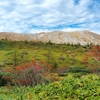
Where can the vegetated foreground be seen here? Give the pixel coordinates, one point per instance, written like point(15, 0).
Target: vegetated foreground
point(72, 87)
point(46, 71)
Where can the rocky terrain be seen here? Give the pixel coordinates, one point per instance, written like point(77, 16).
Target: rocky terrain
point(59, 37)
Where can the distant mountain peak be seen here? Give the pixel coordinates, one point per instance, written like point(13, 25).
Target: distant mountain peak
point(83, 37)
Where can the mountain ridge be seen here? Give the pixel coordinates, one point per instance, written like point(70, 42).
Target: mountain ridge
point(83, 37)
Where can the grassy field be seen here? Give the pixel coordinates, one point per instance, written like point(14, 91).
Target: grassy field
point(63, 55)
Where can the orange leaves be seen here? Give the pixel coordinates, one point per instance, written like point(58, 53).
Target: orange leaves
point(32, 63)
point(51, 67)
point(21, 81)
point(20, 68)
point(95, 52)
point(85, 59)
point(93, 58)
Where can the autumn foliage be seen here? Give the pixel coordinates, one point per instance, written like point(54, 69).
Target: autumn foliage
point(31, 74)
point(96, 52)
point(92, 57)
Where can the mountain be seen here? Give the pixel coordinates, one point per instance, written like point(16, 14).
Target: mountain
point(59, 37)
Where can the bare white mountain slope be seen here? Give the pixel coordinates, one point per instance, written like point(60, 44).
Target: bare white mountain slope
point(59, 37)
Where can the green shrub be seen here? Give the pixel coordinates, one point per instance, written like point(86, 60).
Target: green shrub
point(3, 78)
point(79, 69)
point(69, 88)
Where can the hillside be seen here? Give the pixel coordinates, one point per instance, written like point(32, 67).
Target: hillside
point(59, 37)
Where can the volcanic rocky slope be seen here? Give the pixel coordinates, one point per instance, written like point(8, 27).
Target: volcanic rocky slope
point(59, 37)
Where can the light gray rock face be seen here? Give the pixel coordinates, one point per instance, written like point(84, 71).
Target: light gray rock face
point(59, 37)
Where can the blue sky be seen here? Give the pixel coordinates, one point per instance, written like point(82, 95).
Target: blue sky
point(33, 16)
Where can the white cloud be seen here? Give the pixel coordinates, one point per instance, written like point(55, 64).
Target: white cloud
point(32, 16)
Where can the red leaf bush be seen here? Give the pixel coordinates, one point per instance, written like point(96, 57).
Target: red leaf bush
point(30, 75)
point(93, 59)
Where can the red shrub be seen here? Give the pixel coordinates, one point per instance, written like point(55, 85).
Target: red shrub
point(93, 58)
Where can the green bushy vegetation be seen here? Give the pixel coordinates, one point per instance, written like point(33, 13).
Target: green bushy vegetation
point(86, 87)
point(47, 71)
